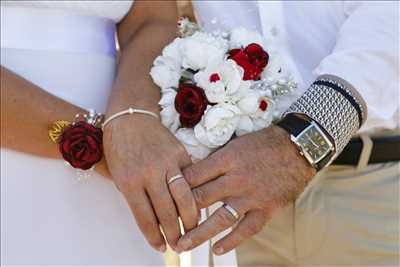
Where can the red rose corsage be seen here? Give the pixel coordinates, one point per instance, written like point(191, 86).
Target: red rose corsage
point(80, 142)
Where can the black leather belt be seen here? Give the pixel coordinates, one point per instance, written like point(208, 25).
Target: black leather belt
point(385, 149)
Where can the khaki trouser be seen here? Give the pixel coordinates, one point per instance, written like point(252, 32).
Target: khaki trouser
point(345, 217)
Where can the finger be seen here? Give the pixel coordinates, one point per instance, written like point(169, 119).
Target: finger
point(215, 190)
point(146, 219)
point(184, 200)
point(206, 169)
point(220, 220)
point(250, 225)
point(185, 160)
point(166, 212)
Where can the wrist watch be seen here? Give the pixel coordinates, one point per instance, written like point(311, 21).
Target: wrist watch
point(314, 143)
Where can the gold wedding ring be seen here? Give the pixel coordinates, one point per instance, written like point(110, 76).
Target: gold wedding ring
point(232, 211)
point(174, 178)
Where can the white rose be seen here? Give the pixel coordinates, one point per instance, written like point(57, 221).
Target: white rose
point(169, 115)
point(167, 98)
point(241, 37)
point(202, 49)
point(249, 104)
point(217, 125)
point(258, 120)
point(245, 125)
point(221, 82)
point(174, 50)
point(195, 149)
point(165, 72)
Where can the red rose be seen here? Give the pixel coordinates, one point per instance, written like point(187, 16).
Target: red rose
point(190, 102)
point(253, 59)
point(82, 145)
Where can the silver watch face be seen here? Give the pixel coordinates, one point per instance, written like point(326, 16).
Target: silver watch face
point(314, 144)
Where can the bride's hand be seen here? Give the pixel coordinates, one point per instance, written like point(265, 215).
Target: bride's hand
point(142, 155)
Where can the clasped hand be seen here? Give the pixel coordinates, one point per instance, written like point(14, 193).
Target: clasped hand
point(255, 174)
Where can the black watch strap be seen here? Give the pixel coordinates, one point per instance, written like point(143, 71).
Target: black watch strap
point(293, 124)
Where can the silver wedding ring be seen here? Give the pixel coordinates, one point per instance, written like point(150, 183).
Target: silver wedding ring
point(232, 211)
point(174, 178)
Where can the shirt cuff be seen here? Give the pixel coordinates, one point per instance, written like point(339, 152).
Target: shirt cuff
point(335, 105)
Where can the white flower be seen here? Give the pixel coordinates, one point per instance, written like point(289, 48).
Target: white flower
point(241, 37)
point(167, 98)
point(165, 72)
point(217, 125)
point(258, 120)
point(174, 51)
point(245, 125)
point(202, 49)
point(195, 149)
point(249, 104)
point(221, 82)
point(263, 118)
point(275, 68)
point(169, 115)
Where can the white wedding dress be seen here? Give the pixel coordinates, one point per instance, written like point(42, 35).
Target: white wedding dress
point(48, 216)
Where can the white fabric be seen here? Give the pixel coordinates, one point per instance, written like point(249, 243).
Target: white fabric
point(357, 41)
point(114, 10)
point(48, 217)
point(79, 33)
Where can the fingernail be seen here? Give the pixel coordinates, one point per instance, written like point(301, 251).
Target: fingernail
point(162, 248)
point(219, 250)
point(184, 243)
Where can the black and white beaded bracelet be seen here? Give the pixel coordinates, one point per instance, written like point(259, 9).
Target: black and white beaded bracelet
point(335, 105)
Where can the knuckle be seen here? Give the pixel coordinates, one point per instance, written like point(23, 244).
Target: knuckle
point(180, 193)
point(226, 157)
point(199, 196)
point(155, 187)
point(189, 205)
point(168, 217)
point(127, 185)
point(219, 156)
point(252, 228)
point(192, 215)
point(189, 174)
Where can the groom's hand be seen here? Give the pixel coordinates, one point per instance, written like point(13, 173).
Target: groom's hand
point(255, 174)
point(141, 155)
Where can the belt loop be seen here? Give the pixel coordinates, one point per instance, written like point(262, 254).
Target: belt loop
point(365, 152)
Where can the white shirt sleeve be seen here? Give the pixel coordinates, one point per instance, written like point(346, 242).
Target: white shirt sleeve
point(366, 55)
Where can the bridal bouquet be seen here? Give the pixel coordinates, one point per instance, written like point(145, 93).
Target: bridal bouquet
point(215, 86)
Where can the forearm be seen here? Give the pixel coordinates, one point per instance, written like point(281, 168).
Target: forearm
point(26, 113)
point(133, 86)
